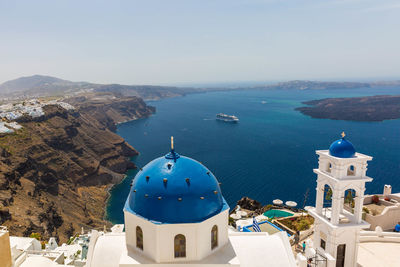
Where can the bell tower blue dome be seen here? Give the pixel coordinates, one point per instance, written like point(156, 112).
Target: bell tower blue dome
point(342, 148)
point(175, 189)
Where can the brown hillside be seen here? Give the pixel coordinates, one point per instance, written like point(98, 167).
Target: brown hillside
point(55, 172)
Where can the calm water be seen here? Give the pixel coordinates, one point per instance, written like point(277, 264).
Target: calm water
point(269, 154)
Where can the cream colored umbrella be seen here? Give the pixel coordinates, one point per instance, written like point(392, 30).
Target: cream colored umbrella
point(291, 204)
point(235, 216)
point(242, 213)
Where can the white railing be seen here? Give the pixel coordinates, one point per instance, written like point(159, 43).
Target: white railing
point(379, 236)
point(52, 255)
point(20, 259)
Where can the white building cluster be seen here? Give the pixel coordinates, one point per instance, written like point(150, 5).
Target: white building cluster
point(175, 214)
point(33, 108)
point(9, 127)
point(14, 111)
point(28, 252)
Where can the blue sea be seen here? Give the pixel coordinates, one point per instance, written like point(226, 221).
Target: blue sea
point(269, 154)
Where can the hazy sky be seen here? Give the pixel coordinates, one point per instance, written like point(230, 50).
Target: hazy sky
point(170, 41)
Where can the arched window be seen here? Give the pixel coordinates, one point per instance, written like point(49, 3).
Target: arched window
point(351, 171)
point(349, 200)
point(214, 237)
point(327, 204)
point(139, 238)
point(180, 246)
point(329, 167)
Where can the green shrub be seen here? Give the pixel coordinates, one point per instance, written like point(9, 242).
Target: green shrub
point(328, 195)
point(303, 225)
point(37, 236)
point(72, 239)
point(298, 223)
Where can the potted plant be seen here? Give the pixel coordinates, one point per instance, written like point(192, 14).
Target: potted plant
point(375, 199)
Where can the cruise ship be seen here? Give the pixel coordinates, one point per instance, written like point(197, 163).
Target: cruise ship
point(227, 118)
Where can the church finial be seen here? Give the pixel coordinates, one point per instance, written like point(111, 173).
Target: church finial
point(343, 134)
point(172, 154)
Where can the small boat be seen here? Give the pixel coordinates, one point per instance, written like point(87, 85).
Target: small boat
point(227, 118)
point(263, 102)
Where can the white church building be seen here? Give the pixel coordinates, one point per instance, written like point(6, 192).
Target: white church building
point(337, 228)
point(175, 214)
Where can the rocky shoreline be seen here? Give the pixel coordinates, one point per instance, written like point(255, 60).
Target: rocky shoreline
point(370, 108)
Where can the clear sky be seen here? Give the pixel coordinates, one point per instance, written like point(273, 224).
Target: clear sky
point(173, 42)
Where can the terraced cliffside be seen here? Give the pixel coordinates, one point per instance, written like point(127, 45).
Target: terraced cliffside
point(55, 171)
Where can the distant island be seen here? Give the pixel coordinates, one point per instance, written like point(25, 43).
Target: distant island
point(314, 85)
point(370, 108)
point(47, 86)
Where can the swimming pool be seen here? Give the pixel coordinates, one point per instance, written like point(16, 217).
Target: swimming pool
point(277, 214)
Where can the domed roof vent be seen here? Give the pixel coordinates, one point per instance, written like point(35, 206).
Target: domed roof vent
point(175, 189)
point(342, 148)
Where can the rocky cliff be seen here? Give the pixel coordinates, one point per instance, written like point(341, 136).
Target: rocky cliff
point(55, 171)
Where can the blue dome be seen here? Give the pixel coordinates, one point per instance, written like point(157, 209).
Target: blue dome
point(175, 189)
point(342, 149)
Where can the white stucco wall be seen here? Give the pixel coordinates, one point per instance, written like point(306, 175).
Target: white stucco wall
point(389, 217)
point(341, 165)
point(387, 220)
point(149, 235)
point(336, 236)
point(204, 234)
point(158, 239)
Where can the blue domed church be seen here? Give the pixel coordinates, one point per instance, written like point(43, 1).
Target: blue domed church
point(175, 200)
point(175, 189)
point(175, 214)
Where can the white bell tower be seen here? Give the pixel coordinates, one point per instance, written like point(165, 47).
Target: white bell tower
point(341, 177)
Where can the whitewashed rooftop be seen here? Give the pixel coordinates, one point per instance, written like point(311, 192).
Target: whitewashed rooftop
point(243, 249)
point(379, 254)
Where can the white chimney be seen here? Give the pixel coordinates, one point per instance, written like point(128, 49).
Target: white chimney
point(387, 190)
